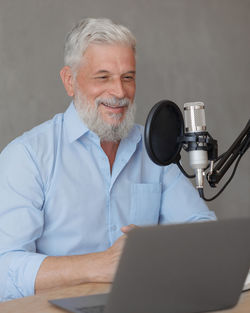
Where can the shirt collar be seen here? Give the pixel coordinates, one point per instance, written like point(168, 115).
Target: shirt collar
point(76, 128)
point(134, 135)
point(73, 123)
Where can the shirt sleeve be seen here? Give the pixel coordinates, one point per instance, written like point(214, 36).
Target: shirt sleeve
point(21, 221)
point(181, 202)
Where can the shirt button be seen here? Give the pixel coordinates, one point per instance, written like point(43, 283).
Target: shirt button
point(114, 228)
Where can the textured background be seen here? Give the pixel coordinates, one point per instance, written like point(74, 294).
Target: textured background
point(188, 50)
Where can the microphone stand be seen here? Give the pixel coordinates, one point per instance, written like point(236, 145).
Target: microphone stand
point(237, 150)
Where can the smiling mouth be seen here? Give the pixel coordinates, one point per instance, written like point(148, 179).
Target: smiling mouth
point(114, 106)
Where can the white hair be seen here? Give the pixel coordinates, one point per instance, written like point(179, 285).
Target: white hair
point(98, 31)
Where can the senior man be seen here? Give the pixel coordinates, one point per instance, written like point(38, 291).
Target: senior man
point(73, 185)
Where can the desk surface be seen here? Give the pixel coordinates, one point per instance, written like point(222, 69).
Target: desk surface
point(39, 303)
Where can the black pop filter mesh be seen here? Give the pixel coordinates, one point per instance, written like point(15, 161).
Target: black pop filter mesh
point(163, 127)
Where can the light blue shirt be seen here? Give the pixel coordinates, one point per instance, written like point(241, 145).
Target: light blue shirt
point(58, 197)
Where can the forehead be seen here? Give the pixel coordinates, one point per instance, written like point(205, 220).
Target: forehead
point(109, 57)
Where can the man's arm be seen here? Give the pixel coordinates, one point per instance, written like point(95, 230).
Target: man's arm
point(76, 269)
point(21, 221)
point(73, 270)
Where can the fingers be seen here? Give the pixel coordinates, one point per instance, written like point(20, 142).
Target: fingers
point(128, 228)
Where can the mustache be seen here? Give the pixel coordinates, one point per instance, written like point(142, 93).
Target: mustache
point(113, 102)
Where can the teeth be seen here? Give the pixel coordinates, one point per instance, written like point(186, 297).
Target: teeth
point(112, 106)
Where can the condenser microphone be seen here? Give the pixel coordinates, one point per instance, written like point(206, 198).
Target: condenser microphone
point(166, 134)
point(196, 139)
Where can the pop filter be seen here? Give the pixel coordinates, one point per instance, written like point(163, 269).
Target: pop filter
point(164, 126)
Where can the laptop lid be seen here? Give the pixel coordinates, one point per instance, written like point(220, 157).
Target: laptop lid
point(184, 268)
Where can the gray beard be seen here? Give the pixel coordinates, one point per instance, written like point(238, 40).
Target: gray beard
point(105, 131)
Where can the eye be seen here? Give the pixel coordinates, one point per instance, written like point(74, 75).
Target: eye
point(102, 77)
point(128, 78)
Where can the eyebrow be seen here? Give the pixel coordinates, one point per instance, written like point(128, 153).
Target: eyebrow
point(107, 72)
point(101, 71)
point(130, 72)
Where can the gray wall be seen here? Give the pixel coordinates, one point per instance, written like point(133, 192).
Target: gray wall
point(188, 50)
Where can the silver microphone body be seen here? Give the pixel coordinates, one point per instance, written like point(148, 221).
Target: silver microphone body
point(195, 125)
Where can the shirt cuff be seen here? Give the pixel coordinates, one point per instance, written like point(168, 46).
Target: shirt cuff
point(22, 274)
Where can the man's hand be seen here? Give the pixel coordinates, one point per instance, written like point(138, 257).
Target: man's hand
point(113, 254)
point(126, 229)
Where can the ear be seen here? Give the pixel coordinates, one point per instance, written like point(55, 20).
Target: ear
point(67, 79)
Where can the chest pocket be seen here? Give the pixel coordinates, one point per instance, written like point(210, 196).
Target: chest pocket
point(145, 203)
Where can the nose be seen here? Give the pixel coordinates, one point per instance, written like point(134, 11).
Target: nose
point(117, 89)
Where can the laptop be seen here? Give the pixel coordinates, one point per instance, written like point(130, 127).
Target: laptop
point(181, 268)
